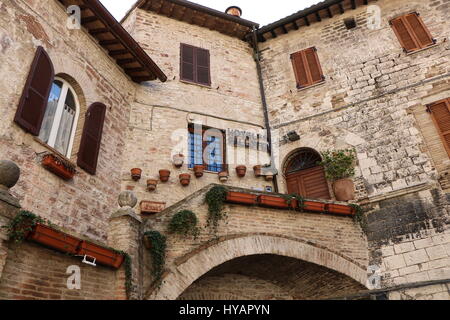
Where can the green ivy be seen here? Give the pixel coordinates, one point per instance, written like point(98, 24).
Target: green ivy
point(23, 223)
point(360, 217)
point(158, 252)
point(339, 164)
point(215, 199)
point(300, 200)
point(184, 223)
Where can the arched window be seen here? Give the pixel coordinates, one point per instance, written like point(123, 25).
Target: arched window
point(304, 175)
point(60, 118)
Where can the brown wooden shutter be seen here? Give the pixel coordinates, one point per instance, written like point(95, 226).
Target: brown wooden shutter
point(91, 139)
point(440, 112)
point(412, 32)
point(187, 62)
point(33, 103)
point(307, 68)
point(202, 66)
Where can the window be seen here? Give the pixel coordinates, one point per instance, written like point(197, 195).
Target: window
point(207, 147)
point(195, 65)
point(59, 123)
point(307, 68)
point(412, 32)
point(440, 112)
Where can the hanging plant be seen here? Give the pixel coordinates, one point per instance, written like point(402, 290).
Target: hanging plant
point(295, 201)
point(22, 224)
point(359, 216)
point(184, 223)
point(215, 199)
point(158, 252)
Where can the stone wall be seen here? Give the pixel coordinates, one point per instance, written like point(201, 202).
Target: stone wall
point(161, 112)
point(374, 100)
point(84, 204)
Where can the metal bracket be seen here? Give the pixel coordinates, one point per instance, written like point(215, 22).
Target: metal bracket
point(91, 263)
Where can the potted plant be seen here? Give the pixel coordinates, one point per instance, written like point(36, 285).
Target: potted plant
point(184, 223)
point(314, 206)
point(136, 174)
point(339, 168)
point(241, 171)
point(164, 175)
point(185, 179)
point(152, 184)
point(178, 160)
point(62, 168)
point(198, 170)
point(273, 202)
point(223, 176)
point(104, 256)
point(257, 170)
point(340, 209)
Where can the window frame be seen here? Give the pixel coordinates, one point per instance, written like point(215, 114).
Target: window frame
point(411, 32)
point(58, 117)
point(195, 66)
point(306, 66)
point(191, 129)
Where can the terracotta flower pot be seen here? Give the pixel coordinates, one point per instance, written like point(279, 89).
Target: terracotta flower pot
point(344, 190)
point(185, 179)
point(54, 239)
point(164, 175)
point(314, 206)
point(152, 184)
point(241, 171)
point(340, 209)
point(52, 164)
point(178, 160)
point(257, 171)
point(102, 255)
point(136, 174)
point(198, 170)
point(223, 176)
point(273, 202)
point(269, 177)
point(242, 198)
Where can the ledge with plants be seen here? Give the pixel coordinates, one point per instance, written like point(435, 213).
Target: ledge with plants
point(59, 166)
point(184, 223)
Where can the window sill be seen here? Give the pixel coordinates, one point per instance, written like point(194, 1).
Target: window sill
point(311, 86)
point(54, 151)
point(196, 84)
point(423, 49)
point(209, 172)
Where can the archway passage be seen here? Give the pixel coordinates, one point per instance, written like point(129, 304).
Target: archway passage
point(305, 177)
point(270, 277)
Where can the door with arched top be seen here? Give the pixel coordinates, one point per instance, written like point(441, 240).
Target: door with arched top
point(305, 177)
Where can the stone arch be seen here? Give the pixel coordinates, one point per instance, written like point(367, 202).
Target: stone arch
point(193, 266)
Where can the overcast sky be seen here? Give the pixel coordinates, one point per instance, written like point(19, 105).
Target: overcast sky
point(260, 11)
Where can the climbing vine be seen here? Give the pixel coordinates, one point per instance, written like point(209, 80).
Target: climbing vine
point(184, 223)
point(215, 199)
point(360, 217)
point(157, 251)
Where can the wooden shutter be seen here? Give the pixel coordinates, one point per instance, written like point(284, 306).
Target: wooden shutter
point(34, 99)
point(440, 112)
point(202, 66)
point(187, 63)
point(412, 32)
point(310, 183)
point(307, 68)
point(91, 139)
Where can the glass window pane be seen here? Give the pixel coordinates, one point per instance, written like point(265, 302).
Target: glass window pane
point(50, 112)
point(66, 124)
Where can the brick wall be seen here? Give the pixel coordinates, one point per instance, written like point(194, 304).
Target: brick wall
point(35, 273)
point(161, 111)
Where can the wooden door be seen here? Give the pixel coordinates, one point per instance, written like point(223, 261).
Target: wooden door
point(309, 183)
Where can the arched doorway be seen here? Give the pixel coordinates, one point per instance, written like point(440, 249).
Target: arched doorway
point(304, 176)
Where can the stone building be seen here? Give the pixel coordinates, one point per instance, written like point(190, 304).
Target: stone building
point(83, 105)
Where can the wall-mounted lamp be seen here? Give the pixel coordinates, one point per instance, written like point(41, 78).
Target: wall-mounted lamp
point(293, 136)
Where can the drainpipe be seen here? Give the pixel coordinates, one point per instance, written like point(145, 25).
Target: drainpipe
point(257, 57)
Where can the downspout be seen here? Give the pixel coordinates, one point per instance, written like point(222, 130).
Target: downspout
point(257, 58)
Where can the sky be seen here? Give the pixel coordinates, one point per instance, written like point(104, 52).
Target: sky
point(259, 11)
